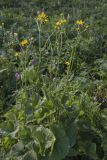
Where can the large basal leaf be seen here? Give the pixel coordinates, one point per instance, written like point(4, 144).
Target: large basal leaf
point(105, 158)
point(34, 144)
point(7, 126)
point(71, 132)
point(31, 155)
point(73, 152)
point(24, 132)
point(104, 143)
point(44, 136)
point(61, 146)
point(17, 148)
point(89, 148)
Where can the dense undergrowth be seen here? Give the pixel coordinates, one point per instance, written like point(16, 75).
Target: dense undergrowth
point(53, 80)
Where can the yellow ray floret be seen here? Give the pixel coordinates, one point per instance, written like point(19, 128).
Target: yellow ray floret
point(60, 23)
point(67, 63)
point(17, 54)
point(42, 17)
point(80, 22)
point(24, 42)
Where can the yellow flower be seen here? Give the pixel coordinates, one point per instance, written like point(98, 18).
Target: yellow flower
point(24, 42)
point(81, 113)
point(67, 63)
point(80, 22)
point(60, 23)
point(78, 29)
point(42, 17)
point(17, 54)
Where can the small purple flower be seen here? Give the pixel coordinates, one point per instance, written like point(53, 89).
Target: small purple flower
point(17, 75)
point(100, 99)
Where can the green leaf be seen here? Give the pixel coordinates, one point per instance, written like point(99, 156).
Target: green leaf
point(3, 70)
point(17, 148)
point(104, 143)
point(24, 134)
point(61, 146)
point(34, 144)
point(7, 126)
point(31, 155)
point(71, 132)
point(105, 158)
point(73, 152)
point(44, 136)
point(91, 150)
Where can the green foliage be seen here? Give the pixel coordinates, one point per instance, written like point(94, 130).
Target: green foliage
point(53, 80)
point(61, 146)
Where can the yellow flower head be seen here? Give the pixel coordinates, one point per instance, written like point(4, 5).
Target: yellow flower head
point(67, 63)
point(60, 23)
point(80, 22)
point(42, 17)
point(78, 29)
point(17, 54)
point(81, 113)
point(24, 42)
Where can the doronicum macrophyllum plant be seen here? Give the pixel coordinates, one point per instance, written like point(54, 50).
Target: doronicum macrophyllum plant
point(53, 81)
